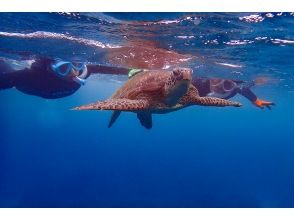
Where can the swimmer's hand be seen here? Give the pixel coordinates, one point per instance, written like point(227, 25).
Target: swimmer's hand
point(262, 103)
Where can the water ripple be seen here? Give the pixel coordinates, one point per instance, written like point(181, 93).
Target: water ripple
point(44, 34)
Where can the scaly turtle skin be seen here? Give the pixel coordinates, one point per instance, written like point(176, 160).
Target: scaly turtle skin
point(156, 91)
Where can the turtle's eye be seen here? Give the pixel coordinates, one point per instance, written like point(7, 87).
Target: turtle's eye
point(178, 74)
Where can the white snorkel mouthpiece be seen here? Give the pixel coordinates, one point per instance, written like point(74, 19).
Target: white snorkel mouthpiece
point(79, 80)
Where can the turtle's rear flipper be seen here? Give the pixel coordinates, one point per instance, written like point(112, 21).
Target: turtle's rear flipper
point(114, 116)
point(145, 119)
point(116, 104)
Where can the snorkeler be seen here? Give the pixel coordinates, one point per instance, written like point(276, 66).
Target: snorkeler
point(49, 78)
point(227, 88)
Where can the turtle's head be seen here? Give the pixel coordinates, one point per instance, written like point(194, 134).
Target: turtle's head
point(182, 74)
point(178, 85)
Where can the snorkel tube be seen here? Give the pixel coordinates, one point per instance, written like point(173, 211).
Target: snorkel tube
point(64, 68)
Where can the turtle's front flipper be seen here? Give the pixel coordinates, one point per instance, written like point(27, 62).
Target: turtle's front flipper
point(145, 119)
point(211, 101)
point(116, 104)
point(192, 98)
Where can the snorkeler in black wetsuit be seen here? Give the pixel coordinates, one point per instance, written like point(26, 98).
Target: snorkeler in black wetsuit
point(226, 88)
point(51, 79)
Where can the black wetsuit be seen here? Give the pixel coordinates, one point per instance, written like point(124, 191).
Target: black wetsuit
point(37, 80)
point(40, 80)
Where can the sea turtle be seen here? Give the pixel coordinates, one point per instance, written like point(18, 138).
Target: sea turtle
point(155, 91)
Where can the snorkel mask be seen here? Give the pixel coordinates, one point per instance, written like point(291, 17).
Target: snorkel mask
point(64, 69)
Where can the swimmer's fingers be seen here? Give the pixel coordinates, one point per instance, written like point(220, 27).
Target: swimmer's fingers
point(269, 105)
point(262, 103)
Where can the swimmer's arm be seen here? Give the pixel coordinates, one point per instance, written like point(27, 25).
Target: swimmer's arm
point(93, 69)
point(247, 93)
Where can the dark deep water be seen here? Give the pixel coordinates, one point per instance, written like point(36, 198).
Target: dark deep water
point(196, 157)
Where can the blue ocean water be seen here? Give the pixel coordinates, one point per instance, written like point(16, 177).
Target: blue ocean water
point(197, 157)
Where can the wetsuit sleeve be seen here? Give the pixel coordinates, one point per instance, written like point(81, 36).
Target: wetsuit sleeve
point(106, 70)
point(246, 92)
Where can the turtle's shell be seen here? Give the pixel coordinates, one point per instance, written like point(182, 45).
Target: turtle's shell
point(147, 84)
